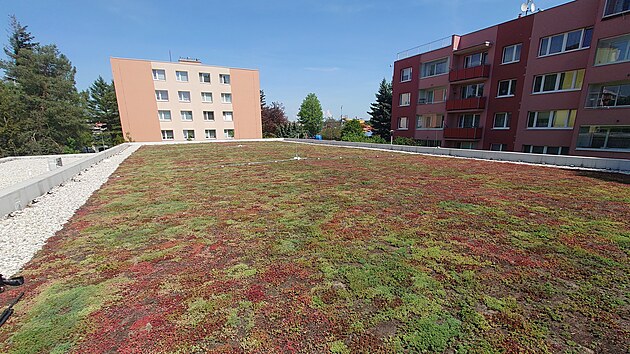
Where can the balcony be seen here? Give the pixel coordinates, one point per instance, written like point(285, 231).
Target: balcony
point(462, 133)
point(482, 71)
point(466, 104)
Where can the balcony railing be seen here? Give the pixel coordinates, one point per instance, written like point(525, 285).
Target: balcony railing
point(463, 133)
point(469, 73)
point(473, 103)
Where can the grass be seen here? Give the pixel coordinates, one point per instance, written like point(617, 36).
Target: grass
point(191, 249)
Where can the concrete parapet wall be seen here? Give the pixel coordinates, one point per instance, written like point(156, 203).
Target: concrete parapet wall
point(617, 165)
point(18, 196)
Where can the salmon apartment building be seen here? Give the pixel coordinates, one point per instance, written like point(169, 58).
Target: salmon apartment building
point(186, 100)
point(553, 82)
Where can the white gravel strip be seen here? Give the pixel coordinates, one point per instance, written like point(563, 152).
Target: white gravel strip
point(21, 169)
point(26, 232)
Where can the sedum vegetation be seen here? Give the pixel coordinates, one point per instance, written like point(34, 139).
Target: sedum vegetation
point(191, 249)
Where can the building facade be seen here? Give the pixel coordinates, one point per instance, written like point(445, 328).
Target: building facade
point(186, 100)
point(553, 82)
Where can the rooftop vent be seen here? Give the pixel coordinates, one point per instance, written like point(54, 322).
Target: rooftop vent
point(189, 60)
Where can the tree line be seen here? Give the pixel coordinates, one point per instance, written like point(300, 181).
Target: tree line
point(311, 120)
point(41, 110)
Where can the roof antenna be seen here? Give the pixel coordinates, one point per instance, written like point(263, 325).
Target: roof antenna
point(528, 7)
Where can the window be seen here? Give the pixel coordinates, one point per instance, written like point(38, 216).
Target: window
point(206, 97)
point(507, 88)
point(604, 137)
point(186, 116)
point(548, 150)
point(161, 95)
point(566, 42)
point(465, 145)
point(181, 76)
point(228, 133)
point(474, 60)
point(224, 79)
point(433, 95)
point(613, 50)
point(184, 96)
point(402, 123)
point(498, 147)
point(405, 99)
point(502, 120)
point(561, 119)
point(167, 135)
point(614, 7)
point(609, 95)
point(557, 82)
point(469, 121)
point(429, 143)
point(204, 78)
point(228, 116)
point(159, 74)
point(430, 121)
point(189, 134)
point(474, 90)
point(226, 97)
point(405, 75)
point(211, 134)
point(511, 54)
point(164, 115)
point(436, 67)
point(208, 116)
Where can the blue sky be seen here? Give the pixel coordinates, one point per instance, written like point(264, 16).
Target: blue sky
point(340, 50)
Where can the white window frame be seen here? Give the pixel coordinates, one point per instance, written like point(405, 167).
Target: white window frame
point(557, 82)
point(477, 88)
point(205, 116)
point(593, 129)
point(228, 114)
point(622, 11)
point(406, 77)
point(205, 96)
point(597, 92)
point(225, 79)
point(186, 134)
point(515, 58)
point(161, 95)
point(602, 41)
point(402, 102)
point(545, 149)
point(429, 95)
point(551, 121)
point(430, 118)
point(201, 78)
point(434, 64)
point(184, 116)
point(156, 74)
point(476, 120)
point(480, 59)
point(226, 97)
point(165, 135)
point(207, 133)
point(226, 133)
point(181, 76)
point(181, 95)
point(403, 123)
point(507, 117)
point(511, 88)
point(502, 147)
point(162, 116)
point(565, 36)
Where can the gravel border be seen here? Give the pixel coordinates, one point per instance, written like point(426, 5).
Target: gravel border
point(24, 233)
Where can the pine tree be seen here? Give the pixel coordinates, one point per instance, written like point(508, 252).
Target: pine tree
point(103, 110)
point(381, 111)
point(19, 39)
point(310, 115)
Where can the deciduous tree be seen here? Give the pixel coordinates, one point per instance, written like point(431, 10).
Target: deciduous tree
point(272, 117)
point(310, 115)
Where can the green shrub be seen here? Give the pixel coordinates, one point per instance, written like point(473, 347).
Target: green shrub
point(404, 141)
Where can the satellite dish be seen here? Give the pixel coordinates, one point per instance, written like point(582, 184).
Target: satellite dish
point(523, 7)
point(532, 7)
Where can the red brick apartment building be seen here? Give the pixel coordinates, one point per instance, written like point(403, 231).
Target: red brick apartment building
point(553, 82)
